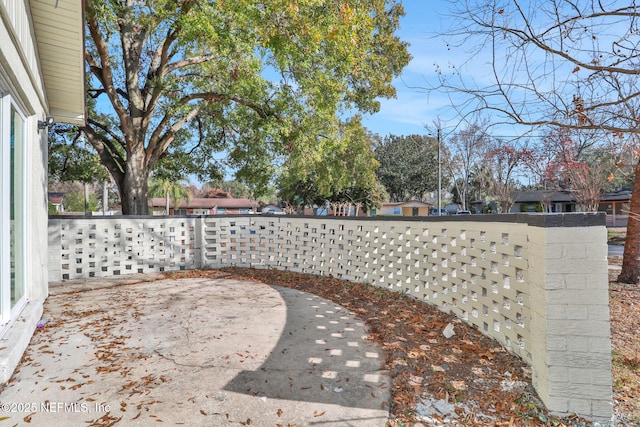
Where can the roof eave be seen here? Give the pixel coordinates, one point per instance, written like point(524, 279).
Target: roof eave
point(60, 39)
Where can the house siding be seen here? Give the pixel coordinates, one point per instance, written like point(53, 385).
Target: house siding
point(22, 90)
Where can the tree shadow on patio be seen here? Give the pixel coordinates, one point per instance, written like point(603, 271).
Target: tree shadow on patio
point(323, 356)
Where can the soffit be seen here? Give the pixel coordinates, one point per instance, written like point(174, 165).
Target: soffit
point(58, 25)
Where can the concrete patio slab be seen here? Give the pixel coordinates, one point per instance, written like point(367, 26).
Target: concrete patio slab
point(197, 352)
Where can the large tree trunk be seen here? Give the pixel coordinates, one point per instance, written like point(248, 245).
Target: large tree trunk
point(631, 262)
point(134, 186)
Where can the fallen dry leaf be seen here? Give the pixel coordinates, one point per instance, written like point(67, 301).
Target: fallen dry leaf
point(419, 360)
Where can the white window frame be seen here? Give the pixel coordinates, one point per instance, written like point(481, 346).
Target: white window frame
point(8, 313)
point(5, 184)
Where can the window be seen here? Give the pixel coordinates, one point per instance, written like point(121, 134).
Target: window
point(17, 211)
point(12, 209)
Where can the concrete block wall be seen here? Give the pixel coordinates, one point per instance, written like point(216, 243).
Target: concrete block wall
point(105, 246)
point(479, 274)
point(536, 283)
point(570, 319)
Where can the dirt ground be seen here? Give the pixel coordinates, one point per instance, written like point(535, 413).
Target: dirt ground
point(624, 303)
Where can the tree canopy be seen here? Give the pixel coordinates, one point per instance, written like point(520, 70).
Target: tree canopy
point(562, 63)
point(566, 63)
point(408, 166)
point(464, 152)
point(344, 170)
point(71, 158)
point(258, 80)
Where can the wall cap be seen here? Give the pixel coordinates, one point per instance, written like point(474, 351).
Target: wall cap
point(545, 220)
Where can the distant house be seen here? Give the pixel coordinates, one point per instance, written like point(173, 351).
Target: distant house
point(56, 199)
point(535, 201)
point(41, 82)
point(614, 203)
point(205, 206)
point(410, 208)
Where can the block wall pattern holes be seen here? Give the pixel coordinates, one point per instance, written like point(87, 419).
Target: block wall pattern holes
point(98, 248)
point(477, 274)
point(511, 276)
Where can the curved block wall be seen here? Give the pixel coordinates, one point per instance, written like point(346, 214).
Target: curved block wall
point(536, 283)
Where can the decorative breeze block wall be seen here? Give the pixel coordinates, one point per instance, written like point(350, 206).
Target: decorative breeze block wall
point(479, 274)
point(536, 283)
point(103, 246)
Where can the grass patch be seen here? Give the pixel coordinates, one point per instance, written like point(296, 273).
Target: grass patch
point(616, 237)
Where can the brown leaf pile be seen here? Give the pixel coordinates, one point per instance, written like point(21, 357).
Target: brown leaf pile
point(468, 370)
point(625, 341)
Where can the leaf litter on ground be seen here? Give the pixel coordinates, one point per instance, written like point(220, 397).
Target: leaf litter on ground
point(467, 379)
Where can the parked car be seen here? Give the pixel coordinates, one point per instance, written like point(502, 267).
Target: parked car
point(434, 211)
point(463, 213)
point(272, 211)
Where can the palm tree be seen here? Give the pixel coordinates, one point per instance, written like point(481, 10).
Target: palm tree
point(171, 191)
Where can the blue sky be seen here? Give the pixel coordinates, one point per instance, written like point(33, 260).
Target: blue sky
point(414, 108)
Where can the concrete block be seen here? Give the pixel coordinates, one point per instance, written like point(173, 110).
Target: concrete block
point(557, 404)
point(578, 360)
point(578, 344)
point(554, 281)
point(597, 281)
point(582, 297)
point(585, 235)
point(581, 393)
point(581, 407)
point(538, 299)
point(572, 251)
point(584, 266)
point(552, 278)
point(556, 312)
point(576, 312)
point(600, 345)
point(593, 281)
point(602, 410)
point(599, 312)
point(602, 376)
point(580, 376)
point(578, 328)
point(553, 252)
point(558, 374)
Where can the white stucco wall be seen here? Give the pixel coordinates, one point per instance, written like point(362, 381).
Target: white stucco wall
point(20, 82)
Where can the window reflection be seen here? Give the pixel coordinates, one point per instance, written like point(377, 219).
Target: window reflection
point(16, 206)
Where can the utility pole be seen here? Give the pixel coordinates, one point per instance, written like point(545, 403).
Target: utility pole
point(105, 198)
point(86, 199)
point(439, 176)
